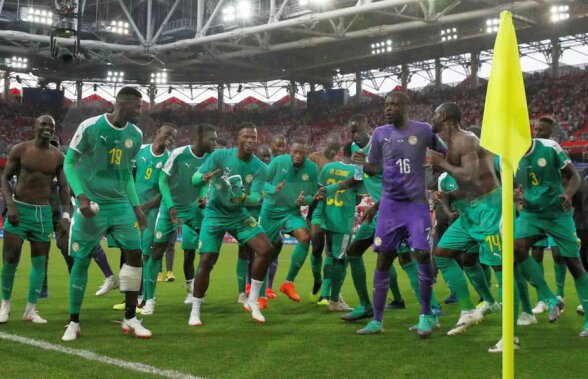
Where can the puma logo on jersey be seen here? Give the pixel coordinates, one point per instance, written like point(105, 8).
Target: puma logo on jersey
point(387, 139)
point(143, 158)
point(187, 164)
point(103, 138)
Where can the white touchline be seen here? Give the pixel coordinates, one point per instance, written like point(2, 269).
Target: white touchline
point(133, 366)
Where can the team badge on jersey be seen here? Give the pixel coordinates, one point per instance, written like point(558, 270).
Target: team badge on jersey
point(158, 235)
point(412, 140)
point(541, 162)
point(249, 178)
point(377, 241)
point(129, 143)
point(251, 222)
point(75, 247)
point(158, 165)
point(305, 177)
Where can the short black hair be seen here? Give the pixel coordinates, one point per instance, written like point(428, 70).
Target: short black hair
point(347, 149)
point(170, 124)
point(401, 95)
point(548, 119)
point(359, 118)
point(129, 91)
point(299, 140)
point(205, 127)
point(245, 125)
point(452, 111)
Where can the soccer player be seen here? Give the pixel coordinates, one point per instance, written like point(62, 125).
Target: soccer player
point(472, 168)
point(547, 211)
point(238, 178)
point(106, 148)
point(317, 235)
point(150, 162)
point(278, 145)
point(292, 181)
point(363, 239)
point(180, 206)
point(245, 257)
point(340, 201)
point(29, 216)
point(398, 151)
point(544, 130)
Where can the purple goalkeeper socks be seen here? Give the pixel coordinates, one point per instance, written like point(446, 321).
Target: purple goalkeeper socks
point(381, 286)
point(100, 257)
point(426, 281)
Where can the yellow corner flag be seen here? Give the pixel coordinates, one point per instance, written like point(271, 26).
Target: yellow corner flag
point(506, 133)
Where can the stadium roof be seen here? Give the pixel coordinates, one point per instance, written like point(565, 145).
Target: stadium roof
point(239, 41)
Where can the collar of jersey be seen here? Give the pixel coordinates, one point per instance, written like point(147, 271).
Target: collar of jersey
point(112, 126)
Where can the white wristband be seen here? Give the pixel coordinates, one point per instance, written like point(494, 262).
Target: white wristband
point(65, 215)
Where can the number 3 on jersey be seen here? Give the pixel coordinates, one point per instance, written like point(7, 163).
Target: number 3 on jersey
point(115, 156)
point(404, 165)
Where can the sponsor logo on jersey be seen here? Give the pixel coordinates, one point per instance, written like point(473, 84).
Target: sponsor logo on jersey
point(412, 140)
point(541, 162)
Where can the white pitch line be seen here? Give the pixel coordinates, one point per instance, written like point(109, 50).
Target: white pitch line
point(133, 366)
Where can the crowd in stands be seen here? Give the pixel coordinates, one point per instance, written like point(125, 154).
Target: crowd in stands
point(565, 98)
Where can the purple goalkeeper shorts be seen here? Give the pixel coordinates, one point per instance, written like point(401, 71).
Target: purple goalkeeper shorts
point(400, 220)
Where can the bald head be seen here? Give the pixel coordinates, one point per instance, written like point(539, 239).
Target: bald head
point(278, 144)
point(332, 146)
point(44, 127)
point(264, 153)
point(452, 111)
point(446, 115)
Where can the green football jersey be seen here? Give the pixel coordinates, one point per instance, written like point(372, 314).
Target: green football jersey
point(339, 207)
point(448, 184)
point(107, 157)
point(148, 168)
point(540, 175)
point(181, 165)
point(373, 183)
point(303, 179)
point(237, 177)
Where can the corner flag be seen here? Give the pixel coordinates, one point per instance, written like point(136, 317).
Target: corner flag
point(506, 133)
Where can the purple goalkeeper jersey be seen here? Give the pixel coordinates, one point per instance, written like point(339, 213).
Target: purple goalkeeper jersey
point(402, 154)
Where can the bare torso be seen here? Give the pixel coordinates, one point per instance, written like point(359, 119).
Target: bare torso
point(38, 166)
point(463, 146)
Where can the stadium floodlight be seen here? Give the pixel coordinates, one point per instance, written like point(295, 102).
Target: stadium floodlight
point(36, 15)
point(158, 77)
point(238, 10)
point(381, 47)
point(115, 76)
point(560, 13)
point(18, 63)
point(448, 34)
point(119, 27)
point(492, 25)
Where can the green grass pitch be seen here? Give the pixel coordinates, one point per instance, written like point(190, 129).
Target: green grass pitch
point(299, 340)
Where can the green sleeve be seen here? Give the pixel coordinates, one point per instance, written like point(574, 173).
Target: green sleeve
point(164, 189)
point(203, 192)
point(332, 188)
point(197, 178)
point(131, 192)
point(71, 172)
point(269, 189)
point(308, 199)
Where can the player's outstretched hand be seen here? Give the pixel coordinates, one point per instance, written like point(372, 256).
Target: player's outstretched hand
point(566, 202)
point(12, 215)
point(85, 207)
point(209, 175)
point(300, 199)
point(434, 158)
point(280, 186)
point(320, 194)
point(173, 214)
point(359, 157)
point(518, 194)
point(141, 218)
